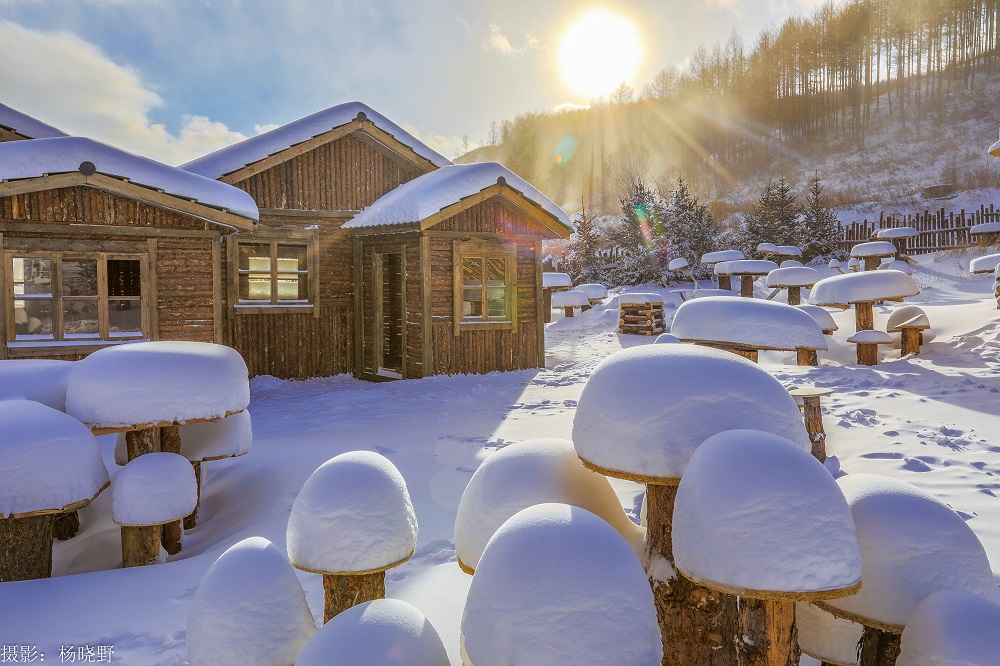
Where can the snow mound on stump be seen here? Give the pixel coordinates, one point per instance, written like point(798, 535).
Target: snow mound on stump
point(574, 298)
point(821, 316)
point(528, 473)
point(353, 514)
point(207, 440)
point(639, 298)
point(750, 322)
point(152, 489)
point(825, 637)
point(985, 264)
point(32, 379)
point(645, 410)
point(554, 280)
point(721, 255)
point(912, 545)
point(755, 512)
point(249, 610)
point(594, 290)
point(157, 382)
point(376, 633)
point(842, 290)
point(873, 249)
point(745, 267)
point(952, 628)
point(557, 585)
point(793, 276)
point(48, 460)
point(897, 232)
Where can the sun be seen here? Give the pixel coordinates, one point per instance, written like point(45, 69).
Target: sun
point(600, 50)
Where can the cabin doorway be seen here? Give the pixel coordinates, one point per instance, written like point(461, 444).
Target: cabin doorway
point(389, 309)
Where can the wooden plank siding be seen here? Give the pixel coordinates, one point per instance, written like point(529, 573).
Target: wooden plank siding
point(178, 247)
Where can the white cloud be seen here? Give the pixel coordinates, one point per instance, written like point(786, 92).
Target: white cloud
point(267, 127)
point(449, 146)
point(497, 41)
point(70, 83)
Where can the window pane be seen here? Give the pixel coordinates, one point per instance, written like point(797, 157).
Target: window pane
point(33, 318)
point(79, 277)
point(496, 303)
point(472, 272)
point(79, 318)
point(255, 257)
point(125, 318)
point(255, 287)
point(292, 258)
point(36, 275)
point(124, 277)
point(293, 287)
point(496, 272)
point(472, 303)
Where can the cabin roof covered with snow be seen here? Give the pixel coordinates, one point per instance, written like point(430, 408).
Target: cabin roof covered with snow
point(25, 126)
point(250, 151)
point(98, 164)
point(437, 195)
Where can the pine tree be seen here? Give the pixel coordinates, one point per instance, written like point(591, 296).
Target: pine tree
point(820, 228)
point(633, 237)
point(584, 250)
point(688, 229)
point(775, 218)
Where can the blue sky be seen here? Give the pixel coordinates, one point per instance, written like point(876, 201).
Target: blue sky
point(173, 79)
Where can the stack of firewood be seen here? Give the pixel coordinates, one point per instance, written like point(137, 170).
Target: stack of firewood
point(641, 314)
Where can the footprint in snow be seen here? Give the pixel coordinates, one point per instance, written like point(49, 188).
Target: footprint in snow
point(891, 433)
point(950, 432)
point(882, 456)
point(914, 465)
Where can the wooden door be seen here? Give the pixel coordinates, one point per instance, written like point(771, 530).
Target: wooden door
point(389, 310)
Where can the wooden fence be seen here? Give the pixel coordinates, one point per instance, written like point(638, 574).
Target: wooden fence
point(939, 230)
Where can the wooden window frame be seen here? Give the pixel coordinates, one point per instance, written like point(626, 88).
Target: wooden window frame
point(58, 340)
point(273, 238)
point(468, 249)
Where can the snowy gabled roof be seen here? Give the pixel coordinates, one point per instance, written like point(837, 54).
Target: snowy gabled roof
point(25, 125)
point(423, 197)
point(40, 157)
point(235, 157)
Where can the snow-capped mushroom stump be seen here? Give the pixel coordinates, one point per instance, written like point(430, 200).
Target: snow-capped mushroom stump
point(988, 264)
point(352, 521)
point(854, 264)
point(822, 636)
point(558, 585)
point(862, 290)
point(568, 300)
point(748, 326)
point(551, 283)
point(951, 628)
point(640, 313)
point(149, 491)
point(822, 317)
point(596, 293)
point(836, 266)
point(898, 236)
point(757, 516)
point(49, 465)
point(867, 345)
point(535, 471)
point(249, 610)
point(641, 415)
point(793, 279)
point(908, 321)
point(872, 253)
point(204, 442)
point(748, 270)
point(912, 545)
point(711, 259)
point(813, 415)
point(376, 633)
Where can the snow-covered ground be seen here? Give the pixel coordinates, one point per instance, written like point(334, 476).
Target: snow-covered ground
point(931, 420)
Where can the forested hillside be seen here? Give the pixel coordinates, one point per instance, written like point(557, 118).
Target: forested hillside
point(882, 97)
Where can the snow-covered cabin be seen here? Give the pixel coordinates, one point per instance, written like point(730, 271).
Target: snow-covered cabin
point(17, 126)
point(375, 255)
point(101, 246)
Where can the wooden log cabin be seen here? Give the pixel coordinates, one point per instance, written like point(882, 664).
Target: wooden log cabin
point(101, 247)
point(375, 255)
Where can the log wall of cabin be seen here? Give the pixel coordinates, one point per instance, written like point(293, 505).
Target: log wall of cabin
point(179, 249)
point(408, 245)
point(484, 351)
point(347, 174)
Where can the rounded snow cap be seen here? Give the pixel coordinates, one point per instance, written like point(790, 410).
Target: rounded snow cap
point(951, 628)
point(551, 280)
point(825, 637)
point(721, 255)
point(153, 489)
point(573, 298)
point(677, 264)
point(249, 610)
point(353, 515)
point(645, 410)
point(843, 290)
point(43, 381)
point(532, 472)
point(49, 461)
point(793, 526)
point(748, 322)
point(149, 383)
point(912, 545)
point(911, 316)
point(594, 290)
point(767, 248)
point(896, 265)
point(873, 249)
point(376, 633)
point(793, 276)
point(821, 316)
point(665, 338)
point(985, 264)
point(556, 585)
